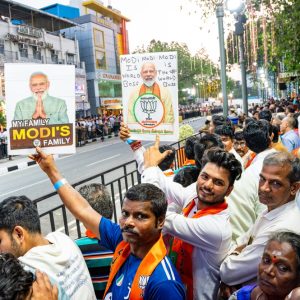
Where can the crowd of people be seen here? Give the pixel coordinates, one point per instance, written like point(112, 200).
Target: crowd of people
point(224, 225)
point(98, 126)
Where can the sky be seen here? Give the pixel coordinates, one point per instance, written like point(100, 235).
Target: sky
point(164, 20)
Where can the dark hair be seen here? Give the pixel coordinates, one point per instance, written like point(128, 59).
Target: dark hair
point(187, 175)
point(167, 162)
point(189, 147)
point(291, 238)
point(15, 282)
point(256, 135)
point(239, 135)
point(99, 198)
point(275, 132)
point(19, 211)
point(218, 120)
point(224, 130)
point(225, 160)
point(265, 115)
point(290, 108)
point(147, 192)
point(206, 142)
point(283, 159)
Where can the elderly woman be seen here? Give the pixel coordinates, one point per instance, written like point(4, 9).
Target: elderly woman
point(278, 271)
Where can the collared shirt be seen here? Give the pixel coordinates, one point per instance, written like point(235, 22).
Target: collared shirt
point(238, 269)
point(290, 140)
point(211, 237)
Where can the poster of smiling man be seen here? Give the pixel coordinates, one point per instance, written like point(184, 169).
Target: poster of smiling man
point(40, 103)
point(150, 95)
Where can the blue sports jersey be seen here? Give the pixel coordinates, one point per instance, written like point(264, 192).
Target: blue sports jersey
point(164, 282)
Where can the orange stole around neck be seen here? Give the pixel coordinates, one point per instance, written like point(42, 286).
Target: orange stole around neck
point(152, 259)
point(181, 252)
point(154, 89)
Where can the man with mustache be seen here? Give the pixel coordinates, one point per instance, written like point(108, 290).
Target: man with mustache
point(200, 226)
point(150, 86)
point(278, 184)
point(41, 105)
point(140, 267)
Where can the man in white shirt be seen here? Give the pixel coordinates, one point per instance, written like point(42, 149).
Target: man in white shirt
point(202, 233)
point(55, 254)
point(278, 185)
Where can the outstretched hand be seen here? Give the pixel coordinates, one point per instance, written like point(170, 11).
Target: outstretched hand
point(45, 161)
point(153, 157)
point(42, 288)
point(124, 132)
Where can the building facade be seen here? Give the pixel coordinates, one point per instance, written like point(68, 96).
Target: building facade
point(102, 38)
point(28, 35)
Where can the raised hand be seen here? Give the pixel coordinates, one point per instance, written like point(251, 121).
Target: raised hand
point(153, 157)
point(124, 132)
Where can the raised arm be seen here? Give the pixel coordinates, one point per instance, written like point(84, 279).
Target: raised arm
point(76, 204)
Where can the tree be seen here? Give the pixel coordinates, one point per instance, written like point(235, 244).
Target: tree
point(191, 69)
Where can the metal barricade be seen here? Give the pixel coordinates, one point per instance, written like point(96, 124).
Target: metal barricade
point(118, 180)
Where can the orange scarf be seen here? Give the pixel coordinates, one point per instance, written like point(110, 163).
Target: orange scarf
point(154, 89)
point(189, 162)
point(250, 159)
point(152, 259)
point(90, 234)
point(181, 252)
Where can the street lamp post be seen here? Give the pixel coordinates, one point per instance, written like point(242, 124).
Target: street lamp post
point(220, 15)
point(239, 31)
point(237, 7)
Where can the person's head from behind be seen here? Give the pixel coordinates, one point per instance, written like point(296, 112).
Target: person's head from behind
point(19, 225)
point(265, 115)
point(239, 143)
point(39, 84)
point(256, 115)
point(206, 142)
point(279, 268)
point(148, 73)
point(287, 124)
point(257, 135)
point(216, 179)
point(99, 198)
point(15, 282)
point(187, 175)
point(216, 120)
point(226, 133)
point(279, 179)
point(143, 214)
point(189, 147)
point(168, 161)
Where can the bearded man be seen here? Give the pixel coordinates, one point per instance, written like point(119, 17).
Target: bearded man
point(150, 86)
point(40, 105)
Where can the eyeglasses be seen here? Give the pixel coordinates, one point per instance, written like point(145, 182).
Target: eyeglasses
point(239, 144)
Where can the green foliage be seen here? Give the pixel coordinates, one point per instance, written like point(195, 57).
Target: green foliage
point(191, 69)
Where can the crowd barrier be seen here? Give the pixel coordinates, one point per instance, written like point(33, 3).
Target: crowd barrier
point(118, 180)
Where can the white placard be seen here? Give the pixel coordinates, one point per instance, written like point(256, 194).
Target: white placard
point(40, 106)
point(150, 95)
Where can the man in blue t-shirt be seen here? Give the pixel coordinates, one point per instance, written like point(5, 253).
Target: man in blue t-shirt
point(140, 267)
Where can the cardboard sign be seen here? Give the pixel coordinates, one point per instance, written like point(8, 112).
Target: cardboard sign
point(150, 95)
point(40, 102)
